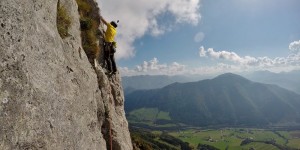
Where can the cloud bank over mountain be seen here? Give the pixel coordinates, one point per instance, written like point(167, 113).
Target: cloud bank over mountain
point(153, 67)
point(225, 61)
point(292, 61)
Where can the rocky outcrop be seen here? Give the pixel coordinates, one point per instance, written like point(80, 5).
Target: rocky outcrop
point(51, 97)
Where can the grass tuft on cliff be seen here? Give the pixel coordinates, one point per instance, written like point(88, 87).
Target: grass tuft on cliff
point(147, 140)
point(89, 23)
point(63, 21)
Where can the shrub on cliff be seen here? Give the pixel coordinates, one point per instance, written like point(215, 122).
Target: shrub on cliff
point(89, 23)
point(63, 21)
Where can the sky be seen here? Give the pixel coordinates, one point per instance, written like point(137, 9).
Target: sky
point(181, 37)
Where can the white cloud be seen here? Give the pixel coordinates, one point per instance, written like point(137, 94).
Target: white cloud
point(202, 52)
point(227, 55)
point(199, 37)
point(223, 55)
point(185, 10)
point(249, 61)
point(138, 17)
point(153, 67)
point(295, 46)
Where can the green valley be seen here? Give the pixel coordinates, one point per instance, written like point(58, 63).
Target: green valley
point(222, 139)
point(228, 112)
point(227, 100)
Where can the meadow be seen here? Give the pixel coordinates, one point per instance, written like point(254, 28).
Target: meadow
point(232, 138)
point(161, 125)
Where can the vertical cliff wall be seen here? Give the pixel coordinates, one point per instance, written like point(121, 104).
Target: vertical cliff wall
point(51, 97)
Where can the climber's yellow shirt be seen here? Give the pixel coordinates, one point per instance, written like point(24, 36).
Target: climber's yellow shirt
point(110, 33)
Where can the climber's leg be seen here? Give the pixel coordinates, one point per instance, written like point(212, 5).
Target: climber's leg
point(114, 66)
point(107, 58)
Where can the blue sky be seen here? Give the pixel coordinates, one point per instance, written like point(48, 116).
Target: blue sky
point(205, 36)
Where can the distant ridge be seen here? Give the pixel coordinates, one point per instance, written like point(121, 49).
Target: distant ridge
point(289, 80)
point(131, 83)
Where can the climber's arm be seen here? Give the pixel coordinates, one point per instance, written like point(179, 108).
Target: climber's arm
point(103, 20)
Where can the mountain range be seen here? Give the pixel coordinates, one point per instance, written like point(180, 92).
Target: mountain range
point(289, 80)
point(228, 99)
point(143, 82)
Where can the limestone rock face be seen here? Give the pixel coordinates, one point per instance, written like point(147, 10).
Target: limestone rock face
point(51, 97)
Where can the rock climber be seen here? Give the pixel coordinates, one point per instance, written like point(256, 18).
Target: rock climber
point(110, 45)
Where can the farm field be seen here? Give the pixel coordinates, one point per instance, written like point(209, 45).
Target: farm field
point(232, 138)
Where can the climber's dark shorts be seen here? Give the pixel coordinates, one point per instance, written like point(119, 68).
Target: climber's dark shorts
point(109, 51)
point(108, 47)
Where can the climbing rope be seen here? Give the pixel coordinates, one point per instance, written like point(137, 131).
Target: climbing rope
point(109, 123)
point(110, 135)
